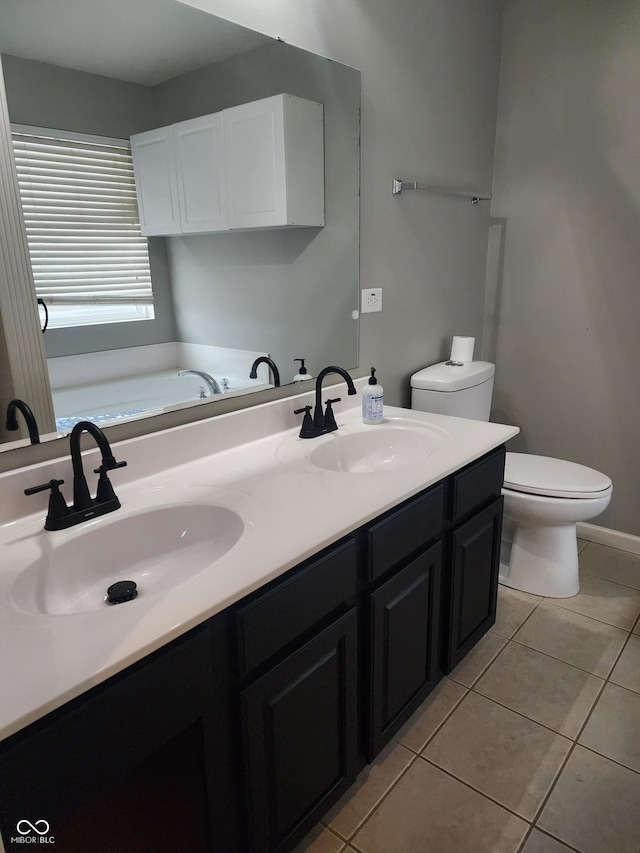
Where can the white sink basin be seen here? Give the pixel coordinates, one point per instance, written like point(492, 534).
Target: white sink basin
point(157, 549)
point(379, 448)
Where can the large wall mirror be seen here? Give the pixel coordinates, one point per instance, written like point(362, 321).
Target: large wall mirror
point(117, 68)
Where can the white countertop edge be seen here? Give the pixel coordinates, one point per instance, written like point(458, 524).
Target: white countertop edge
point(53, 650)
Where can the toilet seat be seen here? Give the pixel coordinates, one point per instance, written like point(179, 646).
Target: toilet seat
point(557, 478)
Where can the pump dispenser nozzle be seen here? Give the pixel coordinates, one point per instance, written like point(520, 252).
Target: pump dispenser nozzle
point(302, 373)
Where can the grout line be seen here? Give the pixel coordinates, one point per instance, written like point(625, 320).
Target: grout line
point(547, 796)
point(527, 835)
point(553, 601)
point(491, 662)
point(548, 834)
point(530, 719)
point(374, 808)
point(441, 724)
point(566, 662)
point(608, 758)
point(476, 790)
point(617, 583)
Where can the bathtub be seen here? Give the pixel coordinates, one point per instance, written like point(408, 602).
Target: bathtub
point(132, 397)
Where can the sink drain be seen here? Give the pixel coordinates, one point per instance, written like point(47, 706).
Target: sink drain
point(121, 591)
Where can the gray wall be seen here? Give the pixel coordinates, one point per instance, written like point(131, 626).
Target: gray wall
point(429, 100)
point(564, 299)
point(289, 293)
point(46, 95)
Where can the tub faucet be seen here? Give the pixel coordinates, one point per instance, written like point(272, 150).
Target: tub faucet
point(12, 419)
point(61, 516)
point(212, 384)
point(324, 422)
point(264, 359)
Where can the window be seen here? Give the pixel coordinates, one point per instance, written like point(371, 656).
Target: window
point(90, 262)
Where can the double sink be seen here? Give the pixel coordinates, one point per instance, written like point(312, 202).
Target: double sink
point(163, 537)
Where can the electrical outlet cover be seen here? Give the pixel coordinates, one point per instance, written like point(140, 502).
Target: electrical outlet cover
point(371, 300)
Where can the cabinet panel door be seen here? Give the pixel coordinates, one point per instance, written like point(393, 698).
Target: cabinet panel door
point(404, 653)
point(254, 135)
point(474, 579)
point(300, 733)
point(154, 165)
point(202, 188)
point(104, 773)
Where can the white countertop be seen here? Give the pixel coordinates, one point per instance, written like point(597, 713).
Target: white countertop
point(251, 462)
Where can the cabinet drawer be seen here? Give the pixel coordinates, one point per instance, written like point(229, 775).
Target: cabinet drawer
point(404, 531)
point(477, 483)
point(277, 617)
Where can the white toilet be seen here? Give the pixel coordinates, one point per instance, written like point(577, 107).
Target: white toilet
point(544, 498)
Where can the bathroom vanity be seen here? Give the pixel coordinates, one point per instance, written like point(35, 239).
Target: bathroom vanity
point(230, 711)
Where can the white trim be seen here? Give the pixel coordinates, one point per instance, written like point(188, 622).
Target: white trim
point(26, 370)
point(71, 135)
point(605, 536)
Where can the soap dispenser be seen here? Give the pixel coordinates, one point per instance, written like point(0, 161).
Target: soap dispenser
point(372, 401)
point(303, 373)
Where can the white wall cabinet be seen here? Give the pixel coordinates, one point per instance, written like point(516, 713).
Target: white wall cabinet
point(275, 167)
point(154, 165)
point(257, 165)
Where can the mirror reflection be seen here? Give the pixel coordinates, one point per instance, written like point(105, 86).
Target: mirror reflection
point(89, 73)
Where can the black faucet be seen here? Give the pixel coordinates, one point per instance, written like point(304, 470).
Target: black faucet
point(12, 419)
point(264, 359)
point(323, 422)
point(61, 516)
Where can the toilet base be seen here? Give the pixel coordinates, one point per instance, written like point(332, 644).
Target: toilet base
point(541, 560)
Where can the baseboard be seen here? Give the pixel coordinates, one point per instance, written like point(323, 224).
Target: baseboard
point(613, 538)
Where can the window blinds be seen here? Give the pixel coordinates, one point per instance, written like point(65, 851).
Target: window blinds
point(81, 216)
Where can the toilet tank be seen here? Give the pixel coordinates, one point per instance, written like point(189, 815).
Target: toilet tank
point(461, 390)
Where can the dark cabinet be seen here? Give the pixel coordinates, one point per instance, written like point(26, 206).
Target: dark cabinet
point(475, 556)
point(300, 734)
point(130, 765)
point(241, 734)
point(404, 627)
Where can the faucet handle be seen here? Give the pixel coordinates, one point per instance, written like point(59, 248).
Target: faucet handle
point(330, 424)
point(52, 484)
point(109, 466)
point(306, 430)
point(57, 505)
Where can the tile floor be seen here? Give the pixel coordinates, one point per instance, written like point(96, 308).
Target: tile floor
point(532, 745)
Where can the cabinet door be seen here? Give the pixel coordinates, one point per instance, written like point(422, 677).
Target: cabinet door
point(475, 557)
point(254, 135)
point(201, 174)
point(128, 767)
point(154, 165)
point(404, 620)
point(300, 733)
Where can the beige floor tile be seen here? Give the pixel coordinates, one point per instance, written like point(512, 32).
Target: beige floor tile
point(544, 689)
point(513, 608)
point(614, 727)
point(609, 602)
point(320, 840)
point(429, 812)
point(430, 715)
point(611, 564)
point(370, 787)
point(538, 842)
point(627, 670)
point(481, 736)
point(471, 668)
point(573, 638)
point(594, 805)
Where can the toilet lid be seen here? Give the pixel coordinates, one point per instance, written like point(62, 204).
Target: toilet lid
point(542, 475)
